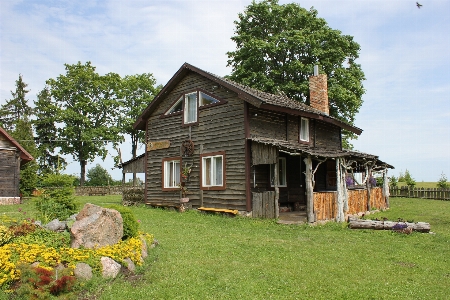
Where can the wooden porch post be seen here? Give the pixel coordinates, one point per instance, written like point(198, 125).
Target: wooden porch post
point(386, 187)
point(368, 174)
point(309, 190)
point(277, 189)
point(340, 192)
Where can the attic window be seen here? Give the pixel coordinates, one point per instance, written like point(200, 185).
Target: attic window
point(206, 99)
point(177, 107)
point(304, 130)
point(190, 108)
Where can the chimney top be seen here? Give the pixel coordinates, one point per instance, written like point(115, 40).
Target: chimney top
point(316, 70)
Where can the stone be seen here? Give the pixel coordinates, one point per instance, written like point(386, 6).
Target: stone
point(56, 225)
point(96, 227)
point(129, 264)
point(83, 271)
point(144, 248)
point(110, 268)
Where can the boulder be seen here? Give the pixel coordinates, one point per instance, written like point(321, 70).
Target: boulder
point(129, 264)
point(96, 226)
point(83, 271)
point(56, 225)
point(110, 268)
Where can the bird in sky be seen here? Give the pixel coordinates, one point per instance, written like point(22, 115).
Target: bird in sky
point(418, 5)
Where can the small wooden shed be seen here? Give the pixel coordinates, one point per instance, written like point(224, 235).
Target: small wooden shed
point(12, 157)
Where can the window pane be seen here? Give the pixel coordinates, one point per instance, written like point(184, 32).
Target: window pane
point(282, 171)
point(304, 129)
point(191, 105)
point(205, 99)
point(207, 171)
point(218, 170)
point(170, 174)
point(176, 173)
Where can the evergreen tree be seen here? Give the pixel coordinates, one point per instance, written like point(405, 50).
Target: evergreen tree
point(15, 108)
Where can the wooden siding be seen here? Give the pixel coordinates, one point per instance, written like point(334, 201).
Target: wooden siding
point(219, 128)
point(268, 124)
point(326, 135)
point(325, 203)
point(9, 173)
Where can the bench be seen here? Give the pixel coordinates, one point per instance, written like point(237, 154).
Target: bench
point(230, 212)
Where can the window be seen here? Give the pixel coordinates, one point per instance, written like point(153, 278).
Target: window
point(177, 107)
point(281, 173)
point(304, 130)
point(171, 173)
point(212, 167)
point(190, 108)
point(206, 99)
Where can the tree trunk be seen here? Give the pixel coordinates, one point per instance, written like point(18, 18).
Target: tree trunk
point(83, 172)
point(340, 192)
point(386, 188)
point(387, 225)
point(133, 152)
point(309, 190)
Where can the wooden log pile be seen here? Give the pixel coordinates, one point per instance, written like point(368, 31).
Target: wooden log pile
point(404, 227)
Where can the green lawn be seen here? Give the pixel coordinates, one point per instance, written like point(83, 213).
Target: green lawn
point(214, 257)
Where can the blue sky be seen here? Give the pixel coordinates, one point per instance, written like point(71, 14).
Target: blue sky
point(404, 55)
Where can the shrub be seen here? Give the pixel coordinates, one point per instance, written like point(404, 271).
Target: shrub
point(393, 182)
point(409, 180)
point(57, 200)
point(5, 235)
point(45, 237)
point(130, 224)
point(442, 183)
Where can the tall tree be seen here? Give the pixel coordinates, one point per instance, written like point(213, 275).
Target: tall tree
point(15, 108)
point(136, 92)
point(46, 133)
point(15, 117)
point(85, 105)
point(277, 47)
point(23, 133)
point(98, 176)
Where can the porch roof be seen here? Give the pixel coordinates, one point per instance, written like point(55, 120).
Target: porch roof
point(297, 149)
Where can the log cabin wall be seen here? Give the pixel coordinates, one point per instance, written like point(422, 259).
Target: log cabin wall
point(9, 173)
point(219, 128)
point(326, 135)
point(268, 124)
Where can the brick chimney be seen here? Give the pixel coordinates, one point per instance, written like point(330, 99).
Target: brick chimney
point(318, 91)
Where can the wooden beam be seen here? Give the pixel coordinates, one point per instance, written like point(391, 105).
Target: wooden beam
point(309, 190)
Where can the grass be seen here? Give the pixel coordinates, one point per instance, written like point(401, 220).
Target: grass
point(422, 184)
point(214, 257)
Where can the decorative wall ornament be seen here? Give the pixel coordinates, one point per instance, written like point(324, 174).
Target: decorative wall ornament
point(187, 148)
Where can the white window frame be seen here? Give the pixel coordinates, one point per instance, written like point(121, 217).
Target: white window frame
point(282, 178)
point(212, 172)
point(187, 120)
point(172, 180)
point(304, 130)
point(200, 96)
point(170, 111)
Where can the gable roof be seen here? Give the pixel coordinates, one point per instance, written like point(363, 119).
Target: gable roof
point(253, 96)
point(24, 155)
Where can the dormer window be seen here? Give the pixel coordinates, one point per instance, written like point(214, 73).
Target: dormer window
point(207, 99)
point(189, 104)
point(177, 107)
point(190, 108)
point(304, 130)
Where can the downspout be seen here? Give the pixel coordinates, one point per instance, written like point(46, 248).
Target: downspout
point(248, 203)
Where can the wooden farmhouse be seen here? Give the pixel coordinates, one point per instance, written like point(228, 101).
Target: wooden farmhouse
point(228, 146)
point(12, 157)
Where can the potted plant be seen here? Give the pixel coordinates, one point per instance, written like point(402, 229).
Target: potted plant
point(183, 189)
point(185, 172)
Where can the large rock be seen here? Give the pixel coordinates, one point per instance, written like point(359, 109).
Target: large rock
point(83, 271)
point(110, 268)
point(56, 225)
point(96, 226)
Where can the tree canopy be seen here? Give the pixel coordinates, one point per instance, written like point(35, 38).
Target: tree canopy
point(83, 106)
point(98, 176)
point(277, 47)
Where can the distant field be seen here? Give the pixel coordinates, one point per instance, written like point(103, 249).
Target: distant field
point(427, 185)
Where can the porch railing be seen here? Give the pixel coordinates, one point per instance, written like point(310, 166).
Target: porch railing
point(325, 202)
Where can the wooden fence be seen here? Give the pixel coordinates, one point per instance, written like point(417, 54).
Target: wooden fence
point(425, 193)
point(264, 205)
point(325, 207)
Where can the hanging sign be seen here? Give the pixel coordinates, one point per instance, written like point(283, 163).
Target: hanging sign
point(156, 145)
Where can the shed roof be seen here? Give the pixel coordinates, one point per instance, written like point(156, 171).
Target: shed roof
point(295, 148)
point(24, 155)
point(253, 96)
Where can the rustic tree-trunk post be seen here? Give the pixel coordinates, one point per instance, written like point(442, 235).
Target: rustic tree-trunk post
point(368, 174)
point(340, 192)
point(309, 190)
point(277, 190)
point(386, 187)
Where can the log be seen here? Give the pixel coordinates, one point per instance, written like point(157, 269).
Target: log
point(386, 225)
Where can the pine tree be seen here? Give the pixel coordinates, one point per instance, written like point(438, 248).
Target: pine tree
point(15, 108)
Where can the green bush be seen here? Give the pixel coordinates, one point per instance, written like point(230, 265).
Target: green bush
point(45, 237)
point(57, 200)
point(442, 183)
point(130, 224)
